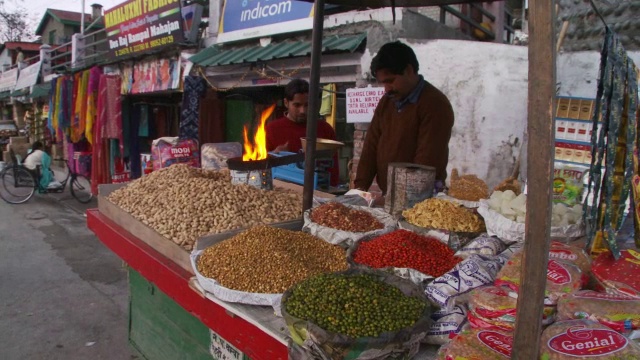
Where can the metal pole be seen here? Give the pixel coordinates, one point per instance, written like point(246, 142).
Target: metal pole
point(540, 128)
point(82, 19)
point(314, 105)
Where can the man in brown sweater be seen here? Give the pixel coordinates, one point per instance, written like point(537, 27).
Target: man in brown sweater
point(412, 122)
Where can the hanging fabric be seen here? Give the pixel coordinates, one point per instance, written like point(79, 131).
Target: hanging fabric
point(92, 102)
point(111, 112)
point(143, 128)
point(195, 87)
point(52, 95)
point(78, 125)
point(614, 140)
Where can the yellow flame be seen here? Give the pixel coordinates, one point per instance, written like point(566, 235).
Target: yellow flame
point(259, 150)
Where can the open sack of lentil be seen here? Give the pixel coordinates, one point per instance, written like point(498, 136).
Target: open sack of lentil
point(256, 266)
point(360, 313)
point(406, 254)
point(504, 214)
point(475, 344)
point(494, 308)
point(562, 277)
point(183, 203)
point(620, 313)
point(618, 276)
point(579, 339)
point(442, 219)
point(453, 287)
point(342, 224)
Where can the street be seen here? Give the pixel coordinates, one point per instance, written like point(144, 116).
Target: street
point(63, 295)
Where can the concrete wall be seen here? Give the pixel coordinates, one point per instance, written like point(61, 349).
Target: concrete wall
point(487, 86)
point(577, 72)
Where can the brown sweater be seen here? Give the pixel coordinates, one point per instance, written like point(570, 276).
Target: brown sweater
point(419, 134)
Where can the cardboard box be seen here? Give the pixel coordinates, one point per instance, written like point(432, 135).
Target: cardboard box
point(561, 129)
point(574, 108)
point(586, 109)
point(572, 130)
point(562, 110)
point(20, 150)
point(18, 140)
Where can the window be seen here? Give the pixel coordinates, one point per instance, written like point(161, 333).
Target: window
point(52, 37)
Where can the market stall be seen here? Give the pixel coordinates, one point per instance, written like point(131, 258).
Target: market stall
point(207, 277)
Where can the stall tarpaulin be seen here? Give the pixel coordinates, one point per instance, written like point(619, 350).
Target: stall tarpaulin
point(8, 79)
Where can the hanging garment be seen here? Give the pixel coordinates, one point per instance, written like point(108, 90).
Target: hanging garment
point(135, 120)
point(92, 102)
point(143, 128)
point(195, 88)
point(52, 95)
point(110, 112)
point(78, 126)
point(615, 136)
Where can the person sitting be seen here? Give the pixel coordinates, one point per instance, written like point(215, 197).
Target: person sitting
point(39, 161)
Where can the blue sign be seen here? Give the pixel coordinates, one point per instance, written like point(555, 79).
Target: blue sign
point(256, 18)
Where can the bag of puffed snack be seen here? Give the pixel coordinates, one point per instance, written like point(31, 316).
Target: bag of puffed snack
point(446, 325)
point(621, 313)
point(495, 306)
point(477, 344)
point(567, 185)
point(473, 272)
point(482, 245)
point(570, 253)
point(620, 276)
point(585, 339)
point(562, 278)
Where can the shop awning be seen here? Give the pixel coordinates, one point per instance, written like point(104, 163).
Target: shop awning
point(40, 91)
point(21, 92)
point(216, 55)
point(5, 95)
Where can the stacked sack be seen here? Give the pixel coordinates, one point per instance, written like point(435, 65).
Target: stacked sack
point(482, 260)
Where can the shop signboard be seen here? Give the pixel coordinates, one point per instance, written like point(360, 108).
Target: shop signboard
point(362, 102)
point(151, 75)
point(139, 26)
point(245, 19)
point(8, 79)
point(28, 76)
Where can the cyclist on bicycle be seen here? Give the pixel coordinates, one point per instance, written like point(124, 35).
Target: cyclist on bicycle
point(38, 160)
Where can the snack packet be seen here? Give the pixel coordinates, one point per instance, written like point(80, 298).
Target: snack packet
point(567, 185)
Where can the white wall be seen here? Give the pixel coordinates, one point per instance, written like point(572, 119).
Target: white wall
point(487, 86)
point(577, 72)
point(4, 58)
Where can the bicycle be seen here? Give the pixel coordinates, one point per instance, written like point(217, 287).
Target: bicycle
point(19, 184)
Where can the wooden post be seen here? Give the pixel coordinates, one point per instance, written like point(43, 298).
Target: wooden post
point(542, 87)
point(407, 185)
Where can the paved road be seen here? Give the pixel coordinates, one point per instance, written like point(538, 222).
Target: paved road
point(63, 295)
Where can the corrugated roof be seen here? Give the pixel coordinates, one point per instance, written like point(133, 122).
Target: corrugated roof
point(40, 91)
point(21, 92)
point(216, 55)
point(67, 18)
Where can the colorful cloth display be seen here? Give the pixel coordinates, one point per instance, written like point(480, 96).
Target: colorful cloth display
point(195, 88)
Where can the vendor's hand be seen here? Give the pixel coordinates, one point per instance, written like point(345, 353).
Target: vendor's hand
point(284, 147)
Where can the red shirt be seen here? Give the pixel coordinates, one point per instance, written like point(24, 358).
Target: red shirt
point(283, 130)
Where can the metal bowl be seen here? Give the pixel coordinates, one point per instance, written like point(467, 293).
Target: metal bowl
point(323, 144)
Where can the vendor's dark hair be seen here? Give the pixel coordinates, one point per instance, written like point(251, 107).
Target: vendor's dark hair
point(394, 56)
point(37, 145)
point(296, 86)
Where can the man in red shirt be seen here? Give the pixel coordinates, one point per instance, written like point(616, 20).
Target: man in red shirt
point(284, 134)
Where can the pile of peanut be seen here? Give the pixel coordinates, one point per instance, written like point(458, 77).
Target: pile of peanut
point(443, 215)
point(184, 203)
point(269, 260)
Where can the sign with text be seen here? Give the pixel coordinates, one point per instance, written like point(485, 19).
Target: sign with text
point(362, 102)
point(28, 76)
point(8, 79)
point(151, 75)
point(245, 19)
point(222, 349)
point(138, 26)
